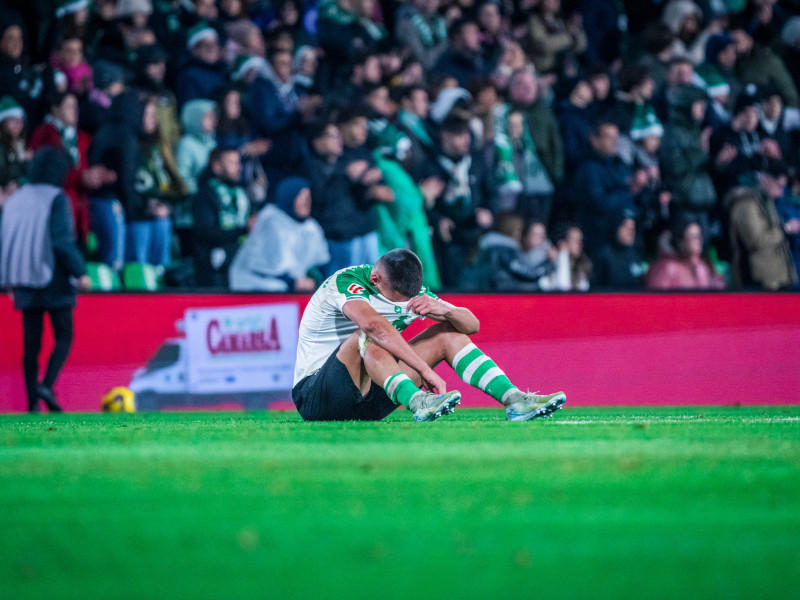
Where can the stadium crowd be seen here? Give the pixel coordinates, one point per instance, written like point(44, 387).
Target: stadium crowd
point(512, 144)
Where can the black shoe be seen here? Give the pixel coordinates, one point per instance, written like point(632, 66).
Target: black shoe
point(33, 406)
point(49, 398)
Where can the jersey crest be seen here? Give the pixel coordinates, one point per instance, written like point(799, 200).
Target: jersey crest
point(354, 288)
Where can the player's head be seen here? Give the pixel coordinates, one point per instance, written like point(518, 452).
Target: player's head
point(401, 270)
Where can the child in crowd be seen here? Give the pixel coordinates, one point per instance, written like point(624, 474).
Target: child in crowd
point(70, 60)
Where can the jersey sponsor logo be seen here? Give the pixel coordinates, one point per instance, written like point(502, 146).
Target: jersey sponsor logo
point(354, 288)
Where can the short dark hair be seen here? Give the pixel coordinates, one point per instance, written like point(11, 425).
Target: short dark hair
point(454, 125)
point(350, 113)
point(404, 271)
point(632, 75)
point(597, 126)
point(217, 153)
point(458, 26)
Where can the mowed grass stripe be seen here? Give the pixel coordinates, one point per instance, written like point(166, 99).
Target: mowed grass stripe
point(645, 502)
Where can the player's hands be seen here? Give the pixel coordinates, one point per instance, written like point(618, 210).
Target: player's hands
point(432, 382)
point(84, 283)
point(425, 306)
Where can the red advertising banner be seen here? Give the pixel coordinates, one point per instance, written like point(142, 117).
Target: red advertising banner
point(610, 349)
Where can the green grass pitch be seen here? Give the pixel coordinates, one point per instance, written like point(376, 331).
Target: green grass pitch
point(633, 502)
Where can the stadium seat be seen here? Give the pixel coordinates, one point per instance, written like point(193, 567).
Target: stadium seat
point(104, 278)
point(141, 276)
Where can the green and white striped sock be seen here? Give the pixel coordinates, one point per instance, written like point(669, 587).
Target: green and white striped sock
point(400, 388)
point(480, 371)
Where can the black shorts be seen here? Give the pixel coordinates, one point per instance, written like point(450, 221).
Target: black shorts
point(331, 395)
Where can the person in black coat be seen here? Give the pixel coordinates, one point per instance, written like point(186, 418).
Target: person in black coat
point(462, 60)
point(603, 186)
point(462, 211)
point(40, 261)
point(619, 262)
point(221, 217)
point(203, 73)
point(117, 147)
point(340, 198)
point(277, 113)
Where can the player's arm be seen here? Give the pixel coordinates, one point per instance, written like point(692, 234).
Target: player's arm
point(387, 337)
point(437, 309)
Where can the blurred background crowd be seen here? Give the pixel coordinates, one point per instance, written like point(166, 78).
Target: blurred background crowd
point(514, 145)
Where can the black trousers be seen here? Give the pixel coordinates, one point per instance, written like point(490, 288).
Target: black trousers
point(32, 329)
point(330, 395)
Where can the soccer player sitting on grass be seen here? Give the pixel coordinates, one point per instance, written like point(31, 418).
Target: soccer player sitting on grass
point(353, 363)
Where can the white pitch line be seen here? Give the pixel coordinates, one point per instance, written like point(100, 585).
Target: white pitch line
point(674, 420)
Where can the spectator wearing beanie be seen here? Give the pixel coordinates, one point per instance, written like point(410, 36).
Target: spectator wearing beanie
point(203, 73)
point(70, 20)
point(137, 11)
point(13, 156)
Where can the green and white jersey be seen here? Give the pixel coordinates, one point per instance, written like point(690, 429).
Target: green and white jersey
point(324, 326)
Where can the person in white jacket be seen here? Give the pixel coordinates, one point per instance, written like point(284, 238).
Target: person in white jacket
point(283, 246)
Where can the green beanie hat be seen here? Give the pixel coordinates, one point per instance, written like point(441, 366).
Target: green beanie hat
point(9, 108)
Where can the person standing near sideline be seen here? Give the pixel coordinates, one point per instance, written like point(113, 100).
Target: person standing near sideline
point(40, 261)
